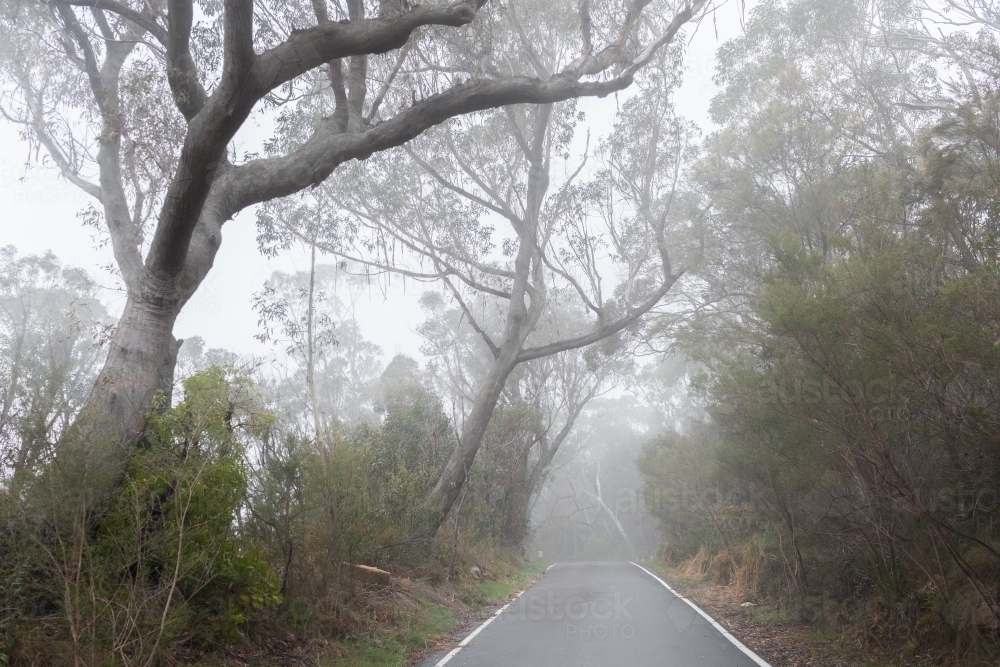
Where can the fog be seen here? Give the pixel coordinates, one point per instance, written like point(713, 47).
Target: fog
point(437, 286)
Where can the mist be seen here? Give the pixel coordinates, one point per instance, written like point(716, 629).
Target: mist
point(320, 321)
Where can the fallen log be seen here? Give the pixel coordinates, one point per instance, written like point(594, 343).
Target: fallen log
point(370, 575)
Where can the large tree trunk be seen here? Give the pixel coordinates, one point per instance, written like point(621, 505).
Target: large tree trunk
point(143, 351)
point(95, 452)
point(140, 363)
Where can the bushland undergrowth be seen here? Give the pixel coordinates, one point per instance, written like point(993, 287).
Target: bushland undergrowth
point(842, 454)
point(229, 535)
point(849, 468)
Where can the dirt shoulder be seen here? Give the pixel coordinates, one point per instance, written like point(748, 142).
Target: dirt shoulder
point(762, 628)
point(394, 624)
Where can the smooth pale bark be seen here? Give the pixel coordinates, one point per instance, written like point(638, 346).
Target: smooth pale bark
point(143, 351)
point(521, 320)
point(453, 476)
point(141, 362)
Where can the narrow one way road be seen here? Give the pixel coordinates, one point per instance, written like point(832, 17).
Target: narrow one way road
point(600, 615)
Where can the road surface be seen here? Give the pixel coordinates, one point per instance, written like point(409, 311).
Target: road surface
point(597, 614)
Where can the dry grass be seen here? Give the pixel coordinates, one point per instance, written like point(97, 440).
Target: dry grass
point(737, 569)
point(915, 630)
point(696, 567)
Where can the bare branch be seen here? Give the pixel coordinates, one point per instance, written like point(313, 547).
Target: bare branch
point(182, 75)
point(494, 350)
point(668, 35)
point(459, 190)
point(384, 90)
point(36, 122)
point(529, 49)
point(145, 22)
point(602, 332)
point(97, 85)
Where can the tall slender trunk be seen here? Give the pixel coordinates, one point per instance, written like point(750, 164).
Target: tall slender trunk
point(311, 342)
point(521, 320)
point(453, 477)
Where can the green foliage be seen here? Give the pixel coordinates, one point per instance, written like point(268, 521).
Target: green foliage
point(430, 620)
point(414, 434)
point(681, 473)
point(352, 496)
point(177, 506)
point(163, 563)
point(496, 503)
point(849, 365)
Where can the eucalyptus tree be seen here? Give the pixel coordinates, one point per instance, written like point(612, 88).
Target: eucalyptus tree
point(849, 205)
point(52, 329)
point(539, 405)
point(593, 236)
point(311, 316)
point(88, 80)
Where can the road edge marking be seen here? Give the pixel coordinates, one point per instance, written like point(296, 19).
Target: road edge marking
point(725, 633)
point(472, 635)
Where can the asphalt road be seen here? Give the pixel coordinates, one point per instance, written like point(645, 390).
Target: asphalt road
point(600, 614)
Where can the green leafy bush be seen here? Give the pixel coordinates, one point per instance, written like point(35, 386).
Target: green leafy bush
point(163, 562)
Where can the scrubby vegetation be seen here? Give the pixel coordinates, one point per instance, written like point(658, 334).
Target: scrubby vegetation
point(223, 518)
point(237, 522)
point(847, 459)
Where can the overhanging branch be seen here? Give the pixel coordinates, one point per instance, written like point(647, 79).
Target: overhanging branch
point(265, 179)
point(602, 332)
point(310, 48)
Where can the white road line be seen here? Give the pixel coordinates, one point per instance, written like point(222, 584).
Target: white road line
point(462, 644)
point(550, 567)
point(725, 633)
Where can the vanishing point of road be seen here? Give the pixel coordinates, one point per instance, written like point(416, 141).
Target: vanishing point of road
point(598, 615)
